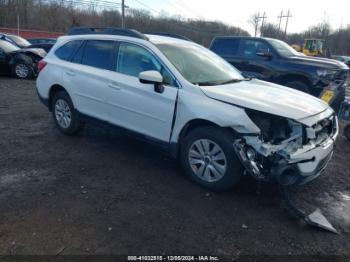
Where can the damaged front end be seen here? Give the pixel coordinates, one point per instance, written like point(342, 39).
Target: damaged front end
point(287, 151)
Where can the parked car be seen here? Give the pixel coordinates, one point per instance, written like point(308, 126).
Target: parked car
point(46, 46)
point(35, 41)
point(275, 61)
point(23, 43)
point(19, 62)
point(187, 99)
point(16, 40)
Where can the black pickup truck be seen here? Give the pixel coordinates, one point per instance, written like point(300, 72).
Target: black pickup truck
point(275, 61)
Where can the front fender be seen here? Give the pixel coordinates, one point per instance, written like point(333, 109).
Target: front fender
point(197, 106)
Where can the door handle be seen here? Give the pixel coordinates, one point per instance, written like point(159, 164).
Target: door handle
point(114, 86)
point(70, 73)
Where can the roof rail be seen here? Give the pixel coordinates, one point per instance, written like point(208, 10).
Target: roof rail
point(172, 35)
point(83, 30)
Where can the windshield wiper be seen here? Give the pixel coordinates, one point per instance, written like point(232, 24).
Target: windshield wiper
point(216, 83)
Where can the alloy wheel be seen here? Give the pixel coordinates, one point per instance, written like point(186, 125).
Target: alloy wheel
point(207, 160)
point(63, 113)
point(22, 70)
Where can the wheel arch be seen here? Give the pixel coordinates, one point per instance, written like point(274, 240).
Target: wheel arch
point(188, 127)
point(54, 89)
point(293, 77)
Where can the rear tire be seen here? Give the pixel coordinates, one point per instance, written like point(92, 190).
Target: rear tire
point(208, 157)
point(298, 85)
point(64, 114)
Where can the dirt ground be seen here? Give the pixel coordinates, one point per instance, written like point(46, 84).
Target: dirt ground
point(104, 193)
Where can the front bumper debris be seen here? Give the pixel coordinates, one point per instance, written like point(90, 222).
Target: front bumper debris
point(315, 219)
point(284, 163)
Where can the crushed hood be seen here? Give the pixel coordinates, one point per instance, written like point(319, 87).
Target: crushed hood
point(267, 97)
point(37, 51)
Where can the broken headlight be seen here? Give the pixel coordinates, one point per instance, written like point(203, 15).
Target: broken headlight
point(276, 130)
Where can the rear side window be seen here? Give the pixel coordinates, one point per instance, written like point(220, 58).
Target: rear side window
point(66, 51)
point(78, 55)
point(98, 53)
point(225, 46)
point(251, 47)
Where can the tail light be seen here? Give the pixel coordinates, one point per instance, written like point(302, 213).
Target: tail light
point(41, 65)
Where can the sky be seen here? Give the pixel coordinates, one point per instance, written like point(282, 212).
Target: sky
point(237, 13)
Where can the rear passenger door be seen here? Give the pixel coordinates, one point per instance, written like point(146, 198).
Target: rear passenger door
point(134, 105)
point(87, 75)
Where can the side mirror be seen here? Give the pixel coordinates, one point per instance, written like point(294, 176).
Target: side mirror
point(264, 53)
point(152, 77)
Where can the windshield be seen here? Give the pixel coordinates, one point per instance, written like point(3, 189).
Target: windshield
point(8, 47)
point(283, 49)
point(19, 40)
point(198, 65)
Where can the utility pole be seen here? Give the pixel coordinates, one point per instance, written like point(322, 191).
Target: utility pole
point(287, 16)
point(18, 25)
point(280, 18)
point(123, 14)
point(17, 9)
point(264, 17)
point(256, 23)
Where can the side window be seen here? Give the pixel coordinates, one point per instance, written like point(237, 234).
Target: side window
point(134, 59)
point(98, 53)
point(251, 47)
point(78, 55)
point(226, 46)
point(66, 51)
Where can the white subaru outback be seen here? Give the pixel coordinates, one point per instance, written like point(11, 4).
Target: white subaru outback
point(175, 92)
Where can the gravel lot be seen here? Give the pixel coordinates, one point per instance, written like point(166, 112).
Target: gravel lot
point(105, 193)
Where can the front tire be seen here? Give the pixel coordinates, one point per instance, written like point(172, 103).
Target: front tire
point(23, 70)
point(64, 114)
point(208, 157)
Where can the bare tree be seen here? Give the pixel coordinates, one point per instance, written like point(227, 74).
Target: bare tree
point(254, 20)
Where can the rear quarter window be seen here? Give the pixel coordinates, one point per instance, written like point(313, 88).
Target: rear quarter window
point(225, 46)
point(98, 54)
point(66, 51)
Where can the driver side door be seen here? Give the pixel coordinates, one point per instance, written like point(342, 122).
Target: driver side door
point(137, 106)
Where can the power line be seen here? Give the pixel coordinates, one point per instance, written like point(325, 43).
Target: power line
point(147, 7)
point(84, 3)
point(191, 10)
point(181, 9)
